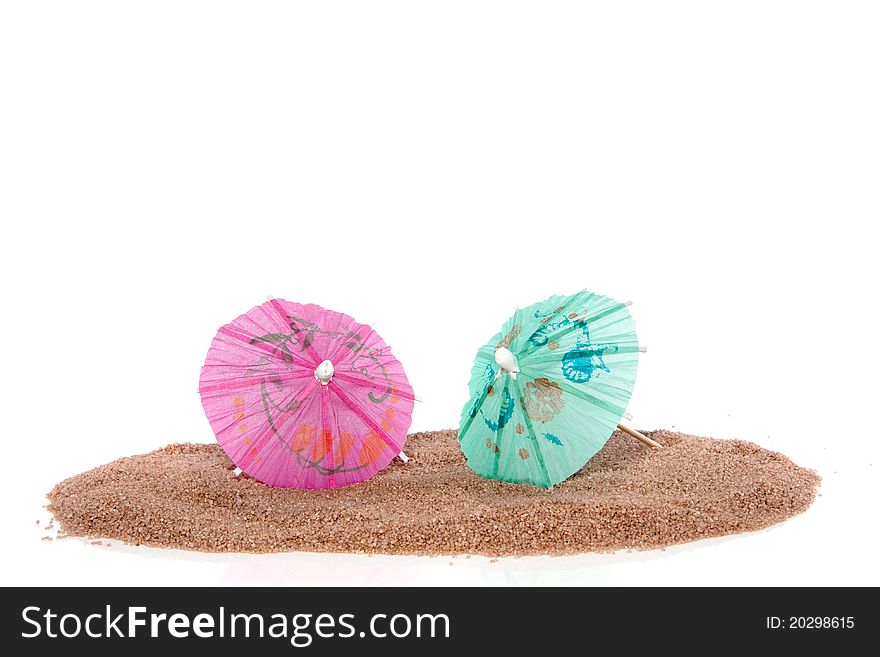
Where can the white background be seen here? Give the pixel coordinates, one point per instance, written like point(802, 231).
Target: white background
point(427, 167)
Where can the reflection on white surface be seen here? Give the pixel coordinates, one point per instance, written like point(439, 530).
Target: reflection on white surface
point(302, 569)
point(780, 555)
point(333, 569)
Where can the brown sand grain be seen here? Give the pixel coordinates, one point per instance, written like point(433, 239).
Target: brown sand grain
point(627, 497)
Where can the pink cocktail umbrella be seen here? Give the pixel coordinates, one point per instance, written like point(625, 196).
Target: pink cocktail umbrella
point(304, 397)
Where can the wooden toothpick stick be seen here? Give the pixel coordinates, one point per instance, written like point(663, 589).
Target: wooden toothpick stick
point(639, 436)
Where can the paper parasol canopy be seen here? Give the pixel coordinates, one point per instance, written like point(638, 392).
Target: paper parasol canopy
point(299, 396)
point(548, 390)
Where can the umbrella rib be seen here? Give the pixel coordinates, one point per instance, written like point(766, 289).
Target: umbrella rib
point(294, 415)
point(349, 330)
point(498, 433)
point(598, 381)
point(487, 353)
point(554, 315)
point(534, 438)
point(367, 383)
point(362, 414)
point(345, 330)
point(245, 382)
point(263, 346)
point(556, 356)
point(475, 410)
point(326, 435)
point(333, 468)
point(276, 306)
point(573, 327)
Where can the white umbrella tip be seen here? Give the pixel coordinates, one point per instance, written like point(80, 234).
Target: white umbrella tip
point(506, 360)
point(324, 372)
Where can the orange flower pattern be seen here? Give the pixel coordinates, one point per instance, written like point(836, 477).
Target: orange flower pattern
point(319, 449)
point(343, 448)
point(303, 437)
point(371, 449)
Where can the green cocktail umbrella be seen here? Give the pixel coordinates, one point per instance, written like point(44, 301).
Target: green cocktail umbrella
point(548, 390)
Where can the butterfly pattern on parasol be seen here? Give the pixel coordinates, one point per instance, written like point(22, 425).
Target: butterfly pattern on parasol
point(285, 427)
point(579, 364)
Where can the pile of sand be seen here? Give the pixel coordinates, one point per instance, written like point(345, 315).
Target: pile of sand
point(627, 496)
